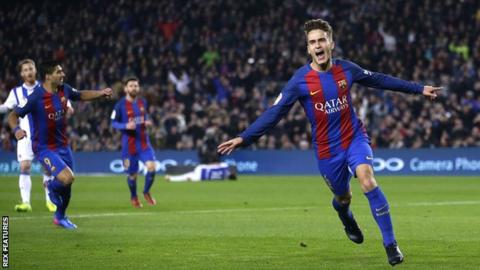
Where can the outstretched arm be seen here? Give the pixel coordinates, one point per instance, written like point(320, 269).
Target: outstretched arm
point(87, 95)
point(380, 80)
point(384, 81)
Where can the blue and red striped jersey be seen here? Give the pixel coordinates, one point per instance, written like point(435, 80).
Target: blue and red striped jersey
point(326, 100)
point(48, 112)
point(133, 141)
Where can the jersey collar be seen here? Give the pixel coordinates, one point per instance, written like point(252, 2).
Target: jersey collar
point(30, 88)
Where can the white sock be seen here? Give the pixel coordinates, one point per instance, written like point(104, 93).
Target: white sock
point(25, 184)
point(45, 179)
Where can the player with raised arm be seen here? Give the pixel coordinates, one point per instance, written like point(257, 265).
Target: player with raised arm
point(340, 141)
point(47, 106)
point(130, 116)
point(19, 95)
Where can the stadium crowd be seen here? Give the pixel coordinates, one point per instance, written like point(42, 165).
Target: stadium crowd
point(218, 64)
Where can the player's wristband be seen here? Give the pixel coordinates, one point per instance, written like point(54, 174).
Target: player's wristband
point(16, 129)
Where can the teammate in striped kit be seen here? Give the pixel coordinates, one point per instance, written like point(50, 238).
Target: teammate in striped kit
point(340, 141)
point(130, 115)
point(47, 106)
point(19, 95)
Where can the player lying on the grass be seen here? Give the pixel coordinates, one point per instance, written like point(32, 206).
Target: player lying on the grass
point(210, 167)
point(47, 106)
point(17, 95)
point(130, 116)
point(340, 141)
point(204, 172)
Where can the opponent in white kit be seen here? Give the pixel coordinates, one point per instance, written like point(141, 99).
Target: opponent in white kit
point(17, 96)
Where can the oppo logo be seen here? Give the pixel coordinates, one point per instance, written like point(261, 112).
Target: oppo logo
point(391, 164)
point(243, 166)
point(116, 165)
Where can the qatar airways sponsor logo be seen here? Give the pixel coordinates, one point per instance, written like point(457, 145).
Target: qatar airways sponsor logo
point(333, 105)
point(137, 119)
point(56, 115)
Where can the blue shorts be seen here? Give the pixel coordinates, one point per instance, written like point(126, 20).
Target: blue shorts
point(338, 170)
point(55, 161)
point(130, 162)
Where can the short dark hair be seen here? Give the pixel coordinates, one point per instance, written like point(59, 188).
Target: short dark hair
point(23, 62)
point(130, 79)
point(320, 24)
point(47, 68)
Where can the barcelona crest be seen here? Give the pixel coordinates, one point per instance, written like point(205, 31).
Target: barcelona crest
point(342, 84)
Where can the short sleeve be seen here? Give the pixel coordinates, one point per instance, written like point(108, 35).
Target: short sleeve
point(12, 100)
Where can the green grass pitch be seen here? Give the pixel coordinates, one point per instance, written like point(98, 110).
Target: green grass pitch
point(258, 222)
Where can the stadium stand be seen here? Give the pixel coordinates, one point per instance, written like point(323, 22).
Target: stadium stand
point(221, 63)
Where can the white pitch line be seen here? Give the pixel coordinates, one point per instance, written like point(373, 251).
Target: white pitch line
point(89, 215)
point(233, 210)
point(205, 211)
point(242, 210)
point(443, 203)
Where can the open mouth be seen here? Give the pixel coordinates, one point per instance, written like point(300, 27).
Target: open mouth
point(320, 53)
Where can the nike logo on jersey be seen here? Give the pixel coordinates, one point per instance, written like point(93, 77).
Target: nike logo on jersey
point(314, 92)
point(47, 106)
point(369, 157)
